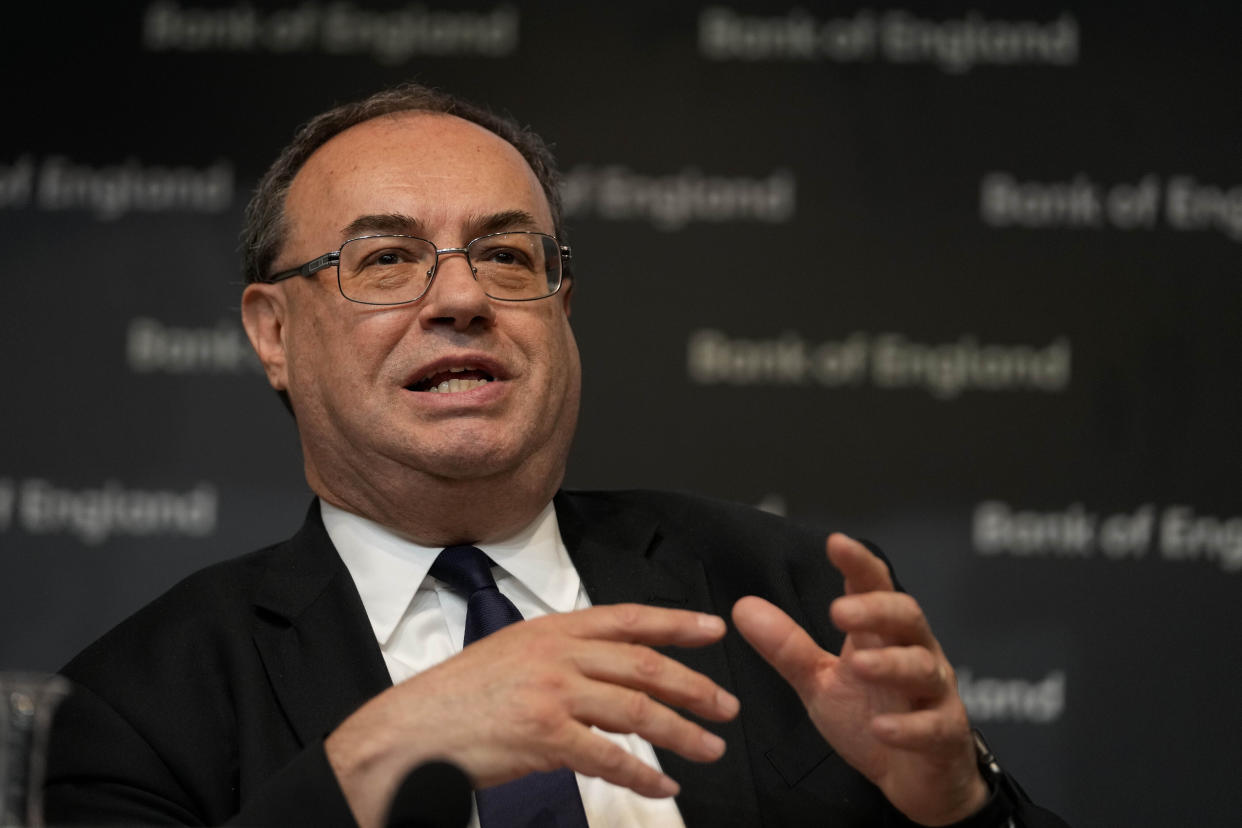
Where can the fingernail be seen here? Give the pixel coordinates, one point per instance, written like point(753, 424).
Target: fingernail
point(668, 787)
point(712, 623)
point(727, 703)
point(713, 743)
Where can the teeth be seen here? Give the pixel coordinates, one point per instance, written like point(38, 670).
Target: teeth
point(450, 370)
point(452, 386)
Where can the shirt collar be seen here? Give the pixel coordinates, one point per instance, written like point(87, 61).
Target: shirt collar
point(388, 569)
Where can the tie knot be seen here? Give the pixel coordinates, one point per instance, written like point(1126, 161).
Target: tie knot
point(466, 569)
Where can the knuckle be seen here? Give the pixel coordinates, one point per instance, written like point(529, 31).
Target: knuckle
point(543, 717)
point(701, 691)
point(639, 708)
point(908, 607)
point(626, 616)
point(647, 662)
point(609, 757)
point(944, 729)
point(550, 684)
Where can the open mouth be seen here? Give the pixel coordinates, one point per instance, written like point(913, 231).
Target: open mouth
point(452, 380)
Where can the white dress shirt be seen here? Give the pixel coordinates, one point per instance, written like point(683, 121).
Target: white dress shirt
point(419, 622)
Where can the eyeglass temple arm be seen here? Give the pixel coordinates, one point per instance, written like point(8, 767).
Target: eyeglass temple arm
point(309, 269)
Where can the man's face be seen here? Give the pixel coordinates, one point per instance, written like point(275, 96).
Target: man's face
point(359, 375)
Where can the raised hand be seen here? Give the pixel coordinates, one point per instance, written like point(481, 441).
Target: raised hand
point(888, 704)
point(524, 699)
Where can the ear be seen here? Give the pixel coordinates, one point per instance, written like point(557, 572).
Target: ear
point(263, 315)
point(567, 293)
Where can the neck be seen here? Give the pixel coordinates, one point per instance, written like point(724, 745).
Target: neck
point(437, 511)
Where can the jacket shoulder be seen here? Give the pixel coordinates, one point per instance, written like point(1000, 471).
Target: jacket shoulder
point(212, 598)
point(696, 516)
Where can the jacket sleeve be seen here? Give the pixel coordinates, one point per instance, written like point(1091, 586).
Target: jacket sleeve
point(102, 771)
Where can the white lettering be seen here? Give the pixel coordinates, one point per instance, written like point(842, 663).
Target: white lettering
point(1128, 535)
point(889, 360)
point(94, 515)
point(956, 46)
point(836, 364)
point(152, 346)
point(1012, 700)
point(16, 183)
point(167, 26)
point(1004, 201)
point(394, 37)
point(671, 202)
point(111, 192)
point(292, 29)
point(1134, 206)
point(1177, 532)
point(724, 34)
point(953, 45)
point(712, 358)
point(948, 369)
point(1185, 536)
point(390, 37)
point(999, 530)
point(1080, 203)
point(1190, 205)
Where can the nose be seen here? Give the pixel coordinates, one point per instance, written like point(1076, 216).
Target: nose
point(455, 298)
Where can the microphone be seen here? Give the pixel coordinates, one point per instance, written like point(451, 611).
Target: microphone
point(433, 795)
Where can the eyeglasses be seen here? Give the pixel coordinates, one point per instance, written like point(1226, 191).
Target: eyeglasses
point(518, 266)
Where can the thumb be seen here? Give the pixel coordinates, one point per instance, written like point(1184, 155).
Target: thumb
point(781, 642)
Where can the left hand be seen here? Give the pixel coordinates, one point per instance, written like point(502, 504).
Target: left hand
point(888, 704)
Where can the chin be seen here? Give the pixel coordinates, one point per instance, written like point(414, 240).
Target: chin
point(476, 460)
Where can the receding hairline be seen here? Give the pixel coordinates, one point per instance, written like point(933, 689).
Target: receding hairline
point(265, 229)
point(496, 142)
point(392, 119)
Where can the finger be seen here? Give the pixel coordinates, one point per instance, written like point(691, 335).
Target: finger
point(781, 642)
point(638, 623)
point(621, 710)
point(895, 617)
point(591, 754)
point(863, 571)
point(935, 729)
point(642, 668)
point(915, 672)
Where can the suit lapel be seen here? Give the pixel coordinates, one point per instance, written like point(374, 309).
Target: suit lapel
point(313, 636)
point(622, 555)
point(321, 657)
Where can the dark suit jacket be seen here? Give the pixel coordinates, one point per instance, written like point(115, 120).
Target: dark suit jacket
point(210, 705)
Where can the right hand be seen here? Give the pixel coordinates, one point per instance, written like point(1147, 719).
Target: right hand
point(524, 698)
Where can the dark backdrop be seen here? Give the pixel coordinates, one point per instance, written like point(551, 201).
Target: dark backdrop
point(959, 278)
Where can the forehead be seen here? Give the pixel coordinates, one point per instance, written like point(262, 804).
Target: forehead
point(439, 168)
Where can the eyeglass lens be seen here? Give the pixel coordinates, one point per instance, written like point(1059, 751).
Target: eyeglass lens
point(390, 270)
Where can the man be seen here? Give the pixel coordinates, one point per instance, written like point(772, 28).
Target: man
point(409, 296)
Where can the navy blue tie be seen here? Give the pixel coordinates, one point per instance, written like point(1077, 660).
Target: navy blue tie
point(537, 800)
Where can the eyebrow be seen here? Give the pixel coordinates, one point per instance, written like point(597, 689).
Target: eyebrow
point(401, 224)
point(396, 223)
point(499, 222)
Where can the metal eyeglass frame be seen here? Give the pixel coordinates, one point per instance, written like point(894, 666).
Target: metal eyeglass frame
point(334, 258)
